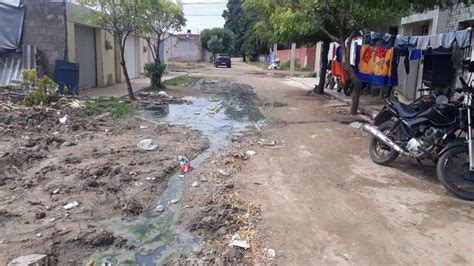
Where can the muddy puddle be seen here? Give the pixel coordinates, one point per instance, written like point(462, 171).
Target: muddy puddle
point(157, 238)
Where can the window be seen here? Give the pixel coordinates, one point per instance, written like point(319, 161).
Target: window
point(465, 24)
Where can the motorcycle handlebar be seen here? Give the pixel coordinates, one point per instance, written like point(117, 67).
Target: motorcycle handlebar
point(463, 82)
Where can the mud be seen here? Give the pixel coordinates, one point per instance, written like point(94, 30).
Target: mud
point(94, 161)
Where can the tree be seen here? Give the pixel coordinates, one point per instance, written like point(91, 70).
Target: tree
point(280, 22)
point(217, 40)
point(247, 42)
point(351, 18)
point(158, 19)
point(120, 19)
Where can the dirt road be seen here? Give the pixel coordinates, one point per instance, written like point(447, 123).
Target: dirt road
point(324, 202)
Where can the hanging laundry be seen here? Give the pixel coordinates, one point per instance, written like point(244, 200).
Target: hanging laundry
point(376, 65)
point(463, 38)
point(380, 39)
point(447, 39)
point(436, 41)
point(409, 42)
point(423, 42)
point(336, 65)
point(415, 54)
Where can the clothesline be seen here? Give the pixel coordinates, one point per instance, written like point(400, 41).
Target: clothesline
point(424, 42)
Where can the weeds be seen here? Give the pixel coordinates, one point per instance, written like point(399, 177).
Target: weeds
point(180, 80)
point(114, 107)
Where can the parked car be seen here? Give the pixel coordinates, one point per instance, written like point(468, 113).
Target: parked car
point(222, 60)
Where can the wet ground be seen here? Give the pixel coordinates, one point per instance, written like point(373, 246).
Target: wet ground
point(223, 116)
point(308, 192)
point(324, 202)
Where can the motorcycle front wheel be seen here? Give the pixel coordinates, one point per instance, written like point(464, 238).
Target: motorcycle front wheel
point(380, 153)
point(454, 173)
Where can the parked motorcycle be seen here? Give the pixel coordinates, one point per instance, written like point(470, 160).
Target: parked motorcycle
point(430, 131)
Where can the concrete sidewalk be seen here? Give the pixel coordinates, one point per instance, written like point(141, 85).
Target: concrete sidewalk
point(120, 89)
point(368, 105)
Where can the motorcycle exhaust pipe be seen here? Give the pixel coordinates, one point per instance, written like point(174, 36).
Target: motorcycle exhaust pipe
point(383, 138)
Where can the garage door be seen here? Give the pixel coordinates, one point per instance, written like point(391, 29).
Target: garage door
point(130, 57)
point(86, 56)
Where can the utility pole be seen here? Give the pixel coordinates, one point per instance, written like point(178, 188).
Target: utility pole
point(293, 57)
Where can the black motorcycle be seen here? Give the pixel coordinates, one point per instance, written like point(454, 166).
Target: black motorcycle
point(429, 132)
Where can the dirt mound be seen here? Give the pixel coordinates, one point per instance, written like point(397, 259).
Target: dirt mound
point(60, 180)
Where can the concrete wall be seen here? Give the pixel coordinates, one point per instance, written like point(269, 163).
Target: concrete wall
point(45, 27)
point(185, 49)
point(459, 13)
point(105, 54)
point(439, 21)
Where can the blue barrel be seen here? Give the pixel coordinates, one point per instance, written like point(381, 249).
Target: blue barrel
point(67, 74)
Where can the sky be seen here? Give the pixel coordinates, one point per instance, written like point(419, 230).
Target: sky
point(203, 14)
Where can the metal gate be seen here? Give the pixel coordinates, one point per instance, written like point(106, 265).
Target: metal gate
point(86, 56)
point(130, 57)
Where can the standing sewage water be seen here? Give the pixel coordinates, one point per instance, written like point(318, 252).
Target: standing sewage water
point(156, 236)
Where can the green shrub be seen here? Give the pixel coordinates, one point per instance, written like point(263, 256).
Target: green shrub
point(154, 71)
point(41, 89)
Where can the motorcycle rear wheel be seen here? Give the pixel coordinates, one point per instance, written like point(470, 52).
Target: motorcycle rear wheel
point(376, 147)
point(452, 176)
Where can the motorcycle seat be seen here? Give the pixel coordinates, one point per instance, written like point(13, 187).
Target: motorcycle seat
point(403, 109)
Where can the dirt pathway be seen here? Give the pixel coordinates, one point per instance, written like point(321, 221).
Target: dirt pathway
point(324, 202)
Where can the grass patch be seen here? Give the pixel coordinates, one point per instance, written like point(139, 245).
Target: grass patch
point(114, 107)
point(177, 66)
point(180, 80)
point(176, 81)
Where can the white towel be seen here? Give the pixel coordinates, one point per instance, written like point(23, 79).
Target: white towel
point(423, 42)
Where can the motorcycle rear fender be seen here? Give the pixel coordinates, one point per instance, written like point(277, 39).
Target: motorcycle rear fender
point(383, 116)
point(456, 143)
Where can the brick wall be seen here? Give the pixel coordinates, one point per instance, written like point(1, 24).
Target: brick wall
point(45, 27)
point(301, 53)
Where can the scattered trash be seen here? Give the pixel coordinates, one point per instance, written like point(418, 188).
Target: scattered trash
point(357, 125)
point(174, 201)
point(147, 144)
point(63, 119)
point(260, 124)
point(150, 178)
point(55, 133)
point(143, 127)
point(250, 153)
point(195, 184)
point(266, 142)
point(214, 110)
point(56, 191)
point(39, 235)
point(197, 113)
point(237, 242)
point(71, 205)
point(163, 94)
point(185, 165)
point(77, 104)
point(328, 130)
point(52, 219)
point(223, 173)
point(32, 259)
point(197, 249)
point(160, 208)
point(271, 253)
